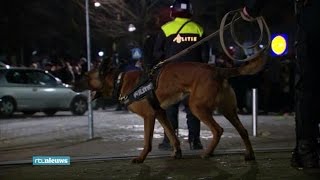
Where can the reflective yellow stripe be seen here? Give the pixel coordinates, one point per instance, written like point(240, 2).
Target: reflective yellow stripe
point(172, 27)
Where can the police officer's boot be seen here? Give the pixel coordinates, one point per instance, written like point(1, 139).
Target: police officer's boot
point(165, 145)
point(305, 155)
point(195, 143)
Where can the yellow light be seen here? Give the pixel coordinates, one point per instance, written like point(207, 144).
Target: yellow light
point(278, 45)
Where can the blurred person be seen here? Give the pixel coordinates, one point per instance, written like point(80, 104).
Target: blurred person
point(96, 63)
point(69, 72)
point(77, 71)
point(287, 81)
point(175, 36)
point(272, 80)
point(48, 67)
point(307, 150)
point(148, 45)
point(34, 65)
point(63, 71)
point(100, 101)
point(83, 64)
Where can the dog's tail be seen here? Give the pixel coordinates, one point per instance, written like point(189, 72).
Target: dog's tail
point(249, 68)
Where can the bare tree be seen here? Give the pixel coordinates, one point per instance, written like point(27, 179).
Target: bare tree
point(42, 25)
point(113, 17)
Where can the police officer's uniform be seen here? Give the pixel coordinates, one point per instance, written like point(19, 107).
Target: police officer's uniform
point(174, 37)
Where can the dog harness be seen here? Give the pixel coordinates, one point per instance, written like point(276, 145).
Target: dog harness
point(145, 89)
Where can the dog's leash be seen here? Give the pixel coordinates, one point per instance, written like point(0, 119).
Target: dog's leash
point(261, 23)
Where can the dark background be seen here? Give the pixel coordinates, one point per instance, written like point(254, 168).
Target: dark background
point(57, 27)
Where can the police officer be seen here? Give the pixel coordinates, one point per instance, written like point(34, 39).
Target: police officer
point(307, 150)
point(175, 36)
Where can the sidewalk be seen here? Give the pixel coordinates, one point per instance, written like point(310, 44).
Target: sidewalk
point(109, 157)
point(124, 137)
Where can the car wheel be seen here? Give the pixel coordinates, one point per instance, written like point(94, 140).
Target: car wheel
point(29, 113)
point(79, 106)
point(8, 106)
point(50, 112)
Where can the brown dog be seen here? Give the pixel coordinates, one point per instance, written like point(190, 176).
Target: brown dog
point(206, 86)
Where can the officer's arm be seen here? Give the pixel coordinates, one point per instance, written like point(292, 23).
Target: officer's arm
point(253, 7)
point(159, 50)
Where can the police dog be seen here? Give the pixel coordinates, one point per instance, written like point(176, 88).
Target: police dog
point(206, 85)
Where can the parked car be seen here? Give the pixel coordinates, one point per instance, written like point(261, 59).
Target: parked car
point(30, 90)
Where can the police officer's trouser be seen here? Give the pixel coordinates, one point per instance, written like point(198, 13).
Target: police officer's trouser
point(192, 122)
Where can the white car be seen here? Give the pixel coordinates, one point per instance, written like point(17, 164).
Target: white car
point(33, 90)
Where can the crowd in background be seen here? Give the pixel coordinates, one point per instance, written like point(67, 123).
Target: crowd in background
point(274, 83)
point(67, 70)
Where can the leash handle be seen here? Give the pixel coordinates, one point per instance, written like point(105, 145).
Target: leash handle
point(262, 25)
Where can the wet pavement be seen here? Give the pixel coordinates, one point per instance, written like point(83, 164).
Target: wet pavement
point(119, 138)
point(221, 167)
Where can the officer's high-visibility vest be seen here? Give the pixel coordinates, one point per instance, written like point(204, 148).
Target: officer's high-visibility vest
point(180, 34)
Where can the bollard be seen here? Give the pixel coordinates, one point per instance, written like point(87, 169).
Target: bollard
point(254, 111)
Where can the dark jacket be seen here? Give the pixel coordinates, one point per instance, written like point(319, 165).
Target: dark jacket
point(148, 58)
point(174, 38)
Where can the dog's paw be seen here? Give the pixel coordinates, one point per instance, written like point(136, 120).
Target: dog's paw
point(137, 160)
point(206, 155)
point(177, 154)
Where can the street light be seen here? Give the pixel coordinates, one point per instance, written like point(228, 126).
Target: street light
point(97, 4)
point(131, 28)
point(101, 53)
